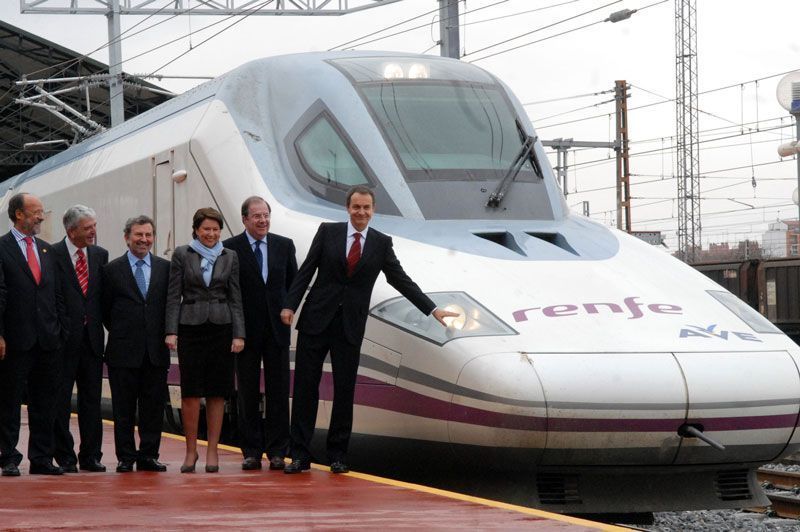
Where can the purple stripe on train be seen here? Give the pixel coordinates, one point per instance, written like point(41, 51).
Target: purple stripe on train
point(377, 394)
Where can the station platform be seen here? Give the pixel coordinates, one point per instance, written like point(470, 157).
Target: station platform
point(248, 500)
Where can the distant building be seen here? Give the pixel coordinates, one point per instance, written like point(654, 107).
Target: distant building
point(781, 239)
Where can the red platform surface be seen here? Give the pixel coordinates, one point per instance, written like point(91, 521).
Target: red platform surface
point(248, 500)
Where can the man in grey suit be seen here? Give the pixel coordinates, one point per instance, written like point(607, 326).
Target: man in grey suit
point(134, 307)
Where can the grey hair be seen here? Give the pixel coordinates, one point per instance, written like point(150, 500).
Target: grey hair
point(75, 214)
point(142, 219)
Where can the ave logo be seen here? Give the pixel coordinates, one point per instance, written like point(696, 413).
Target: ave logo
point(695, 331)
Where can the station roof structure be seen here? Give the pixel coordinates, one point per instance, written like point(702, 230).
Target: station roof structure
point(23, 54)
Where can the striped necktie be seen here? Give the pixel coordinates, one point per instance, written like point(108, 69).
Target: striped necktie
point(82, 271)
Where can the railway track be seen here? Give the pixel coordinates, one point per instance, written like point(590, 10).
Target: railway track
point(781, 504)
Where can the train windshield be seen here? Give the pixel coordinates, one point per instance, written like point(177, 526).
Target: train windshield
point(453, 133)
point(447, 130)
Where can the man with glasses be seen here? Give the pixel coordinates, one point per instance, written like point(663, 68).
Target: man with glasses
point(32, 331)
point(267, 266)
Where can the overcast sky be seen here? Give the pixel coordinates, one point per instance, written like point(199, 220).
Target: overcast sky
point(738, 42)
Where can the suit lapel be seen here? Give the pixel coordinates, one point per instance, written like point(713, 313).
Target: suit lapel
point(66, 263)
point(272, 254)
point(220, 265)
point(44, 262)
point(340, 241)
point(94, 268)
point(246, 254)
point(192, 264)
point(13, 250)
point(155, 278)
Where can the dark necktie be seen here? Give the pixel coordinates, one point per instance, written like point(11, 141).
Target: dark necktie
point(354, 254)
point(259, 257)
point(82, 271)
point(139, 276)
point(33, 263)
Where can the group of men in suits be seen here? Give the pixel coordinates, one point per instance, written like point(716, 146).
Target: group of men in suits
point(55, 301)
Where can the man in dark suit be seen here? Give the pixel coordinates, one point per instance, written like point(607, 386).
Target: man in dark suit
point(134, 308)
point(347, 258)
point(80, 262)
point(32, 329)
point(267, 266)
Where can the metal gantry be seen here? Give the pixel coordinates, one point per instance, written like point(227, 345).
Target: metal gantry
point(201, 7)
point(688, 148)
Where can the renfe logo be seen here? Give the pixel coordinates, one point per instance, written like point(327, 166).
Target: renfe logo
point(633, 308)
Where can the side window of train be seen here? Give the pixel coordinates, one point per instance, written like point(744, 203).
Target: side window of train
point(327, 162)
point(325, 155)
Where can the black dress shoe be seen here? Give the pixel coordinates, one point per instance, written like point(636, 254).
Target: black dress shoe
point(150, 464)
point(125, 466)
point(93, 466)
point(277, 462)
point(339, 467)
point(10, 470)
point(297, 466)
point(70, 468)
point(45, 468)
point(251, 463)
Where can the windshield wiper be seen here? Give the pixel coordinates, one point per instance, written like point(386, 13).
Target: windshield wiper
point(526, 153)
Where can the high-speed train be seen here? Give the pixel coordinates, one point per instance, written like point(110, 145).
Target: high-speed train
point(592, 371)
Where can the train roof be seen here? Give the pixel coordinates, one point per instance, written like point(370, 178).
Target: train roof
point(203, 92)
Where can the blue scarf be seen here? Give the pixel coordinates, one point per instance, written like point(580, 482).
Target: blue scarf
point(208, 258)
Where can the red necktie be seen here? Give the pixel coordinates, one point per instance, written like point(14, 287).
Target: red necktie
point(82, 271)
point(33, 263)
point(354, 254)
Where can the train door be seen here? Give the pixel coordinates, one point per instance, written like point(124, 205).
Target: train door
point(164, 205)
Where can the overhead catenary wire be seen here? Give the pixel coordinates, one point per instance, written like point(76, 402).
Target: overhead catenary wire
point(553, 36)
point(510, 15)
point(562, 98)
point(348, 45)
point(668, 149)
point(536, 30)
point(644, 106)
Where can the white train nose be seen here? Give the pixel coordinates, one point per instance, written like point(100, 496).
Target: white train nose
point(629, 408)
point(612, 409)
point(498, 403)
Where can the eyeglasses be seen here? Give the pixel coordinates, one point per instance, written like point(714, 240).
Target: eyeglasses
point(259, 216)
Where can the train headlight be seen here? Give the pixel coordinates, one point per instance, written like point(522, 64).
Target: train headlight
point(458, 321)
point(418, 71)
point(745, 312)
point(393, 71)
point(473, 318)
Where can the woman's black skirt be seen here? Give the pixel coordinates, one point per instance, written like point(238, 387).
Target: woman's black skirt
point(205, 359)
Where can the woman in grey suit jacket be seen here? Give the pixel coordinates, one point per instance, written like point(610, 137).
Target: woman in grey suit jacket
point(204, 310)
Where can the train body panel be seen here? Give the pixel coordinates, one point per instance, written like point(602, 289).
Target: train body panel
point(579, 348)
